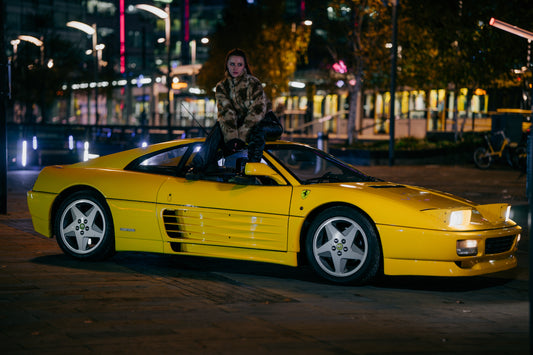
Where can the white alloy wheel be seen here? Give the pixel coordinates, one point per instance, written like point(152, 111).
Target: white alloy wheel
point(83, 227)
point(343, 247)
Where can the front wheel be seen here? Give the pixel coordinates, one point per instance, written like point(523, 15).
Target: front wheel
point(482, 158)
point(520, 158)
point(84, 228)
point(343, 247)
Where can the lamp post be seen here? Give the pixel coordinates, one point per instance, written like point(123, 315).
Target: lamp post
point(39, 43)
point(529, 181)
point(35, 41)
point(394, 58)
point(3, 119)
point(164, 15)
point(91, 31)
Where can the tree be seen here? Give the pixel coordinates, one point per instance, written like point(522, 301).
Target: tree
point(275, 43)
point(449, 44)
point(444, 44)
point(367, 25)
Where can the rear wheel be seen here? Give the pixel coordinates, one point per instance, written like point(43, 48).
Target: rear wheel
point(84, 228)
point(343, 247)
point(482, 158)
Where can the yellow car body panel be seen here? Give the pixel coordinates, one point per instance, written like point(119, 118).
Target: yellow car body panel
point(207, 212)
point(448, 268)
point(409, 251)
point(169, 214)
point(133, 208)
point(413, 241)
point(40, 207)
point(289, 258)
point(385, 203)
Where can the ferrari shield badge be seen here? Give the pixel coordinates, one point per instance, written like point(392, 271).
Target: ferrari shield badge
point(305, 193)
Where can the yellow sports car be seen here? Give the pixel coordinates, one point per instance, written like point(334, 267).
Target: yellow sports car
point(299, 204)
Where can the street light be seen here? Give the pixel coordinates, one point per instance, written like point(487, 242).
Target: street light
point(153, 10)
point(35, 41)
point(31, 39)
point(39, 43)
point(15, 43)
point(529, 36)
point(164, 15)
point(511, 29)
point(91, 31)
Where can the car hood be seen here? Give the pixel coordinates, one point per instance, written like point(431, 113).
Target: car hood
point(403, 205)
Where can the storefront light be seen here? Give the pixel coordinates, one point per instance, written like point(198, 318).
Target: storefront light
point(24, 154)
point(297, 84)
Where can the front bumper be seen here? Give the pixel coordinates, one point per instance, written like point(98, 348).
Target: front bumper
point(410, 251)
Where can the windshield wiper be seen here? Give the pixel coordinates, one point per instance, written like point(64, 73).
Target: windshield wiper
point(329, 176)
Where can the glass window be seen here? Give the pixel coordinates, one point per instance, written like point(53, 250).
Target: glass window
point(165, 163)
point(311, 166)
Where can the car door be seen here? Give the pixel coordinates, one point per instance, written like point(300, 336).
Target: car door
point(224, 214)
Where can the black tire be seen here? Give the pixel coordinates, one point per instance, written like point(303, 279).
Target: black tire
point(482, 158)
point(520, 158)
point(342, 246)
point(509, 157)
point(84, 228)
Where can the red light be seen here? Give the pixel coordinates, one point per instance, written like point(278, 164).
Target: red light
point(186, 36)
point(122, 38)
point(491, 22)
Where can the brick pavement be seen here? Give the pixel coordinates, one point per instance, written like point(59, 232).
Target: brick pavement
point(140, 303)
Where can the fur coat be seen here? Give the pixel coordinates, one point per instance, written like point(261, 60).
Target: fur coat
point(241, 103)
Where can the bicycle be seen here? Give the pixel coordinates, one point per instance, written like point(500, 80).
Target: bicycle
point(514, 154)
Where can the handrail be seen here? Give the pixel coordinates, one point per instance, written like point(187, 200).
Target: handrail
point(315, 121)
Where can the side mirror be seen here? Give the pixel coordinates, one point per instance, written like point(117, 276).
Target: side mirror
point(260, 169)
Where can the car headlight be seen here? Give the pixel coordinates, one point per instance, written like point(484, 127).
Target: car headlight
point(460, 218)
point(507, 213)
point(467, 247)
point(495, 212)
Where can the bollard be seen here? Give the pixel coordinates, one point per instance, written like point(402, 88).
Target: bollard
point(529, 193)
point(529, 179)
point(322, 142)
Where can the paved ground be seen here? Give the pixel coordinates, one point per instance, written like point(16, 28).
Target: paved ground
point(146, 303)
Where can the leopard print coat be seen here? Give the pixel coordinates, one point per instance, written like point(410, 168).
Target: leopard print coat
point(241, 103)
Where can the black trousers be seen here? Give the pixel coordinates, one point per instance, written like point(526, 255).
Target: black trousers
point(207, 155)
point(264, 130)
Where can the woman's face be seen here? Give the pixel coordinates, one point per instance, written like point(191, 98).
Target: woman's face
point(235, 66)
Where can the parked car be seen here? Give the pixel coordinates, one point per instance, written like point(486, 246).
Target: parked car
point(301, 205)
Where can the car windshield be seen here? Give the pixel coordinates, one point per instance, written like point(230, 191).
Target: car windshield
point(312, 166)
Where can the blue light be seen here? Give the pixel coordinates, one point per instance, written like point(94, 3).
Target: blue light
point(70, 142)
point(24, 153)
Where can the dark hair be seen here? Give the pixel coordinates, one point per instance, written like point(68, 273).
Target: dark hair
point(237, 53)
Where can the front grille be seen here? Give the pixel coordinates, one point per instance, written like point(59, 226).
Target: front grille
point(499, 245)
